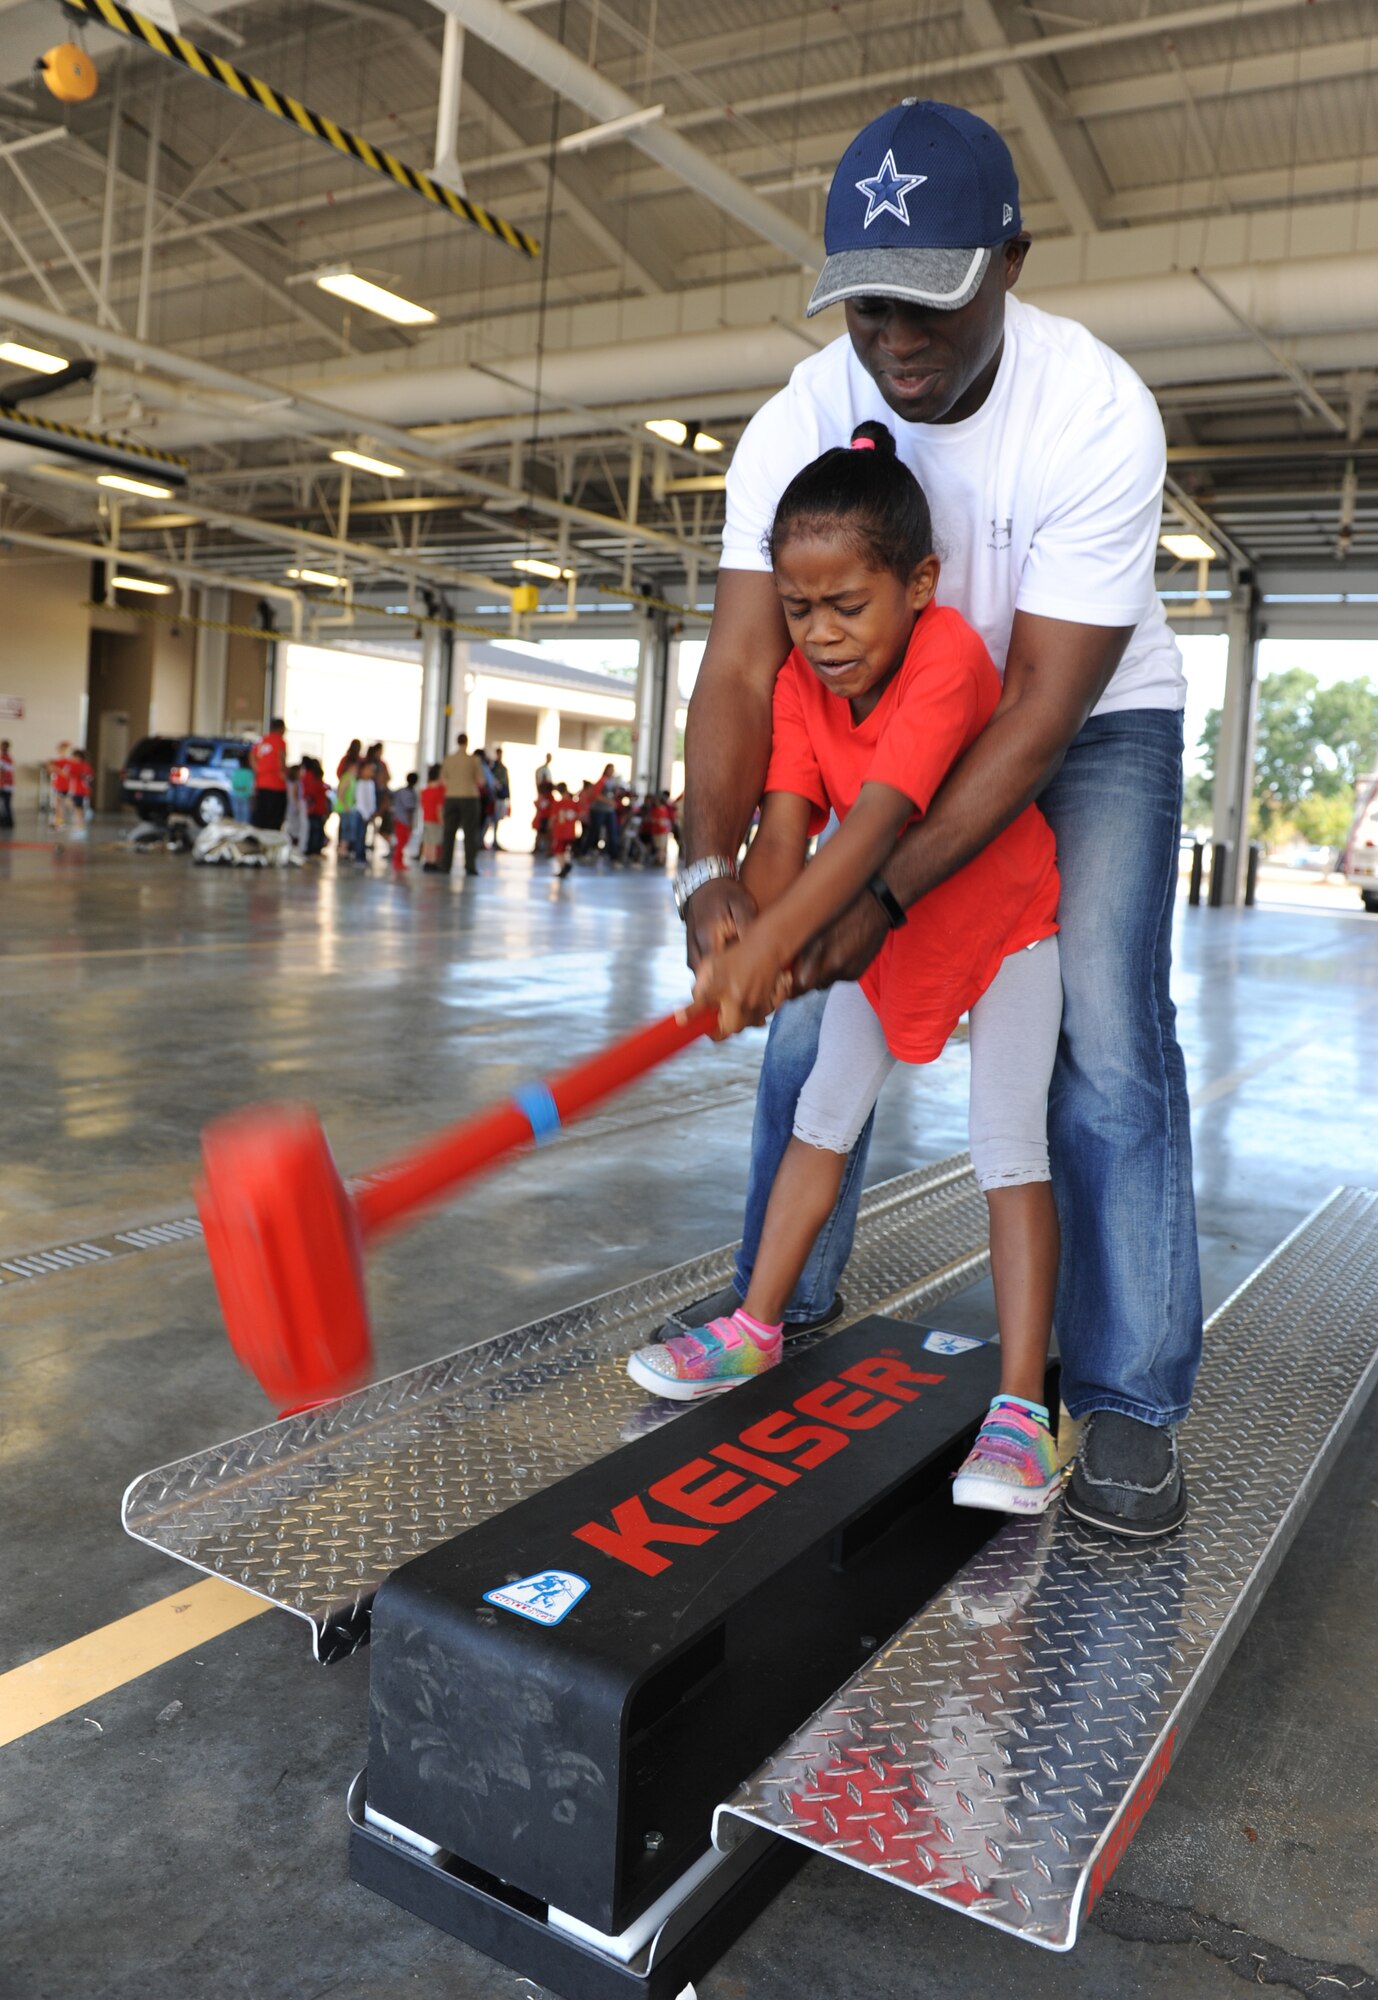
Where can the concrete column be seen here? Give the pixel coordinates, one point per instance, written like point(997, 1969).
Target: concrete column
point(646, 721)
point(669, 704)
point(1234, 761)
point(211, 669)
point(435, 693)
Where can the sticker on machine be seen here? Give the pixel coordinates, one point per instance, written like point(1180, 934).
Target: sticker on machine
point(950, 1343)
point(545, 1598)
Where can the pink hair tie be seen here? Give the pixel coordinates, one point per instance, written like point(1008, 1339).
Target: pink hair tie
point(863, 444)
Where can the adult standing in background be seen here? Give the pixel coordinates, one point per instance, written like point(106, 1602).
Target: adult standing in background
point(463, 775)
point(1043, 457)
point(502, 793)
point(268, 761)
point(6, 786)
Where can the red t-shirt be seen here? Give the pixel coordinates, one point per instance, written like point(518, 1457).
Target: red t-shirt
point(79, 777)
point(433, 803)
point(931, 971)
point(60, 775)
point(6, 771)
point(314, 795)
point(268, 761)
point(564, 825)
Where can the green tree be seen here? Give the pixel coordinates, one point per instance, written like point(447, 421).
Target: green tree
point(1312, 744)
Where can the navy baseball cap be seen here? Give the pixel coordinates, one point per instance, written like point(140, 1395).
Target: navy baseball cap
point(920, 200)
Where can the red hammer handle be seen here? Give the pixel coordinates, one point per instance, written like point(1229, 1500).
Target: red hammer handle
point(441, 1164)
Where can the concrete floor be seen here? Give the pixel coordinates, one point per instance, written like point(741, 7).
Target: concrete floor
point(185, 1834)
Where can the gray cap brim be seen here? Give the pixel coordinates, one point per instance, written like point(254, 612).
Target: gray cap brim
point(942, 279)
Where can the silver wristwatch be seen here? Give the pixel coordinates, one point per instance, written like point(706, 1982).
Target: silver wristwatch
point(712, 868)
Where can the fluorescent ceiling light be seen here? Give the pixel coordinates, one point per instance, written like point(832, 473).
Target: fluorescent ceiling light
point(1188, 548)
point(321, 576)
point(143, 583)
point(615, 128)
point(534, 566)
point(669, 428)
point(702, 442)
point(123, 484)
point(366, 464)
point(32, 357)
point(374, 298)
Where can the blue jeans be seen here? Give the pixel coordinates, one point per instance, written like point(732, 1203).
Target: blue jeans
point(1129, 1292)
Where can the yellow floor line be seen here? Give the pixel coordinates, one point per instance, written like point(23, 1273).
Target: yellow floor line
point(77, 1674)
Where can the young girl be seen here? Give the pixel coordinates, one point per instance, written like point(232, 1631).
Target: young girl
point(882, 693)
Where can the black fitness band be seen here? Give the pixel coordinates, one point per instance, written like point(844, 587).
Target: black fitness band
point(896, 916)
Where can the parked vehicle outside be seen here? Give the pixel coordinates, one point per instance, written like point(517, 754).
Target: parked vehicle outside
point(1361, 849)
point(183, 774)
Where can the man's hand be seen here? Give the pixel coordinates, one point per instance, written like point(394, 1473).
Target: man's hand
point(844, 950)
point(746, 983)
point(715, 916)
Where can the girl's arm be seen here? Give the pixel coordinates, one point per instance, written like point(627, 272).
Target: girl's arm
point(747, 979)
point(775, 858)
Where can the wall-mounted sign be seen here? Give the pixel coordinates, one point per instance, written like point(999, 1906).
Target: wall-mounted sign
point(11, 708)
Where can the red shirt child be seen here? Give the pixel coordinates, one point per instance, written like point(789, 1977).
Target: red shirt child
point(80, 776)
point(927, 974)
point(432, 803)
point(314, 795)
point(564, 825)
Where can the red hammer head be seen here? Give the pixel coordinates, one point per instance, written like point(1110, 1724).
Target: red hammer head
point(286, 1254)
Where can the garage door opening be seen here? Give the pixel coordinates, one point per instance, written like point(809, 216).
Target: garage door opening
point(332, 696)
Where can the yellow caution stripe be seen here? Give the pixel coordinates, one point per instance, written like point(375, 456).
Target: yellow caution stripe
point(51, 430)
point(84, 1671)
point(267, 634)
point(215, 69)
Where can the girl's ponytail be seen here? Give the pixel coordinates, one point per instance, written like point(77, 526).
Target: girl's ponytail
point(864, 493)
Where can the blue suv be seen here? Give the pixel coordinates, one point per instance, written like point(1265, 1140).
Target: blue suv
point(183, 774)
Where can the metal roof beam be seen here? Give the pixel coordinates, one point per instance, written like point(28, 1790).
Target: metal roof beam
point(1243, 75)
point(1062, 154)
point(540, 55)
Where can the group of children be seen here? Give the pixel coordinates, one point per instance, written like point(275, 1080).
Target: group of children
point(71, 782)
point(603, 815)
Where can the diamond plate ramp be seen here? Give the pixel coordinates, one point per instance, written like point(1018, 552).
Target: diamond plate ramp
point(313, 1512)
point(998, 1754)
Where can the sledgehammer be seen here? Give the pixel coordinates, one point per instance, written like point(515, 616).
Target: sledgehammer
point(286, 1239)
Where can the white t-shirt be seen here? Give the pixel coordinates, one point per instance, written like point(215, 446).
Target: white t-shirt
point(1048, 500)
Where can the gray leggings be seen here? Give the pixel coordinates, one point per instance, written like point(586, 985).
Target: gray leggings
point(1014, 1030)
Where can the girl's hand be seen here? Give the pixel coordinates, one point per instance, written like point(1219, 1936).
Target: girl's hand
point(745, 981)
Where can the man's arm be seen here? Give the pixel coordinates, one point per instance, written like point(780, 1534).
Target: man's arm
point(746, 980)
point(727, 741)
point(1055, 674)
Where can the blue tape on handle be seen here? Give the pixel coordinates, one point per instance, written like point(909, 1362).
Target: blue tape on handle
point(539, 1109)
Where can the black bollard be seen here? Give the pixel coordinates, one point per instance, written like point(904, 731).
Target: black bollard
point(1198, 856)
point(1220, 862)
point(1251, 876)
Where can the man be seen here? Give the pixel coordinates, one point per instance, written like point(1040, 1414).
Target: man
point(463, 775)
point(545, 777)
point(1043, 458)
point(268, 762)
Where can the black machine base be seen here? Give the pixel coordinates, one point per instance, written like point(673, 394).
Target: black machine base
point(513, 1929)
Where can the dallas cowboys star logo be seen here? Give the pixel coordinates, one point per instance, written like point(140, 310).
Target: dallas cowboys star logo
point(886, 190)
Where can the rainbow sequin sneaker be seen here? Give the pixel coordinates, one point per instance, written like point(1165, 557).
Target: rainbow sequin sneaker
point(707, 1358)
point(1012, 1468)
